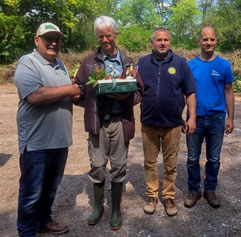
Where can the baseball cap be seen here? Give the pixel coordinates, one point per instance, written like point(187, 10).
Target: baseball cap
point(48, 27)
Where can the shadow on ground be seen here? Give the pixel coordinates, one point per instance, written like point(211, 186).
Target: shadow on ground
point(4, 158)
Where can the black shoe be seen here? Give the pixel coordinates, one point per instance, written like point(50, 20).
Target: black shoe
point(192, 199)
point(212, 199)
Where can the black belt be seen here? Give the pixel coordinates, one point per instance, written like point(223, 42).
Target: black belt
point(206, 116)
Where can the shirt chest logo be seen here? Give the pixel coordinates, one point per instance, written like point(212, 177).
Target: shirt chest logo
point(214, 73)
point(172, 70)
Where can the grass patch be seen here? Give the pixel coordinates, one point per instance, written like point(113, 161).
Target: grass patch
point(7, 73)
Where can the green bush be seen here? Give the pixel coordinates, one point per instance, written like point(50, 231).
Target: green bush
point(134, 38)
point(12, 38)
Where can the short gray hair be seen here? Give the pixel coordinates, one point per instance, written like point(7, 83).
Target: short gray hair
point(162, 28)
point(103, 22)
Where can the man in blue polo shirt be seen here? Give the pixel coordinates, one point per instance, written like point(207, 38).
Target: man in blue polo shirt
point(167, 79)
point(214, 78)
point(44, 122)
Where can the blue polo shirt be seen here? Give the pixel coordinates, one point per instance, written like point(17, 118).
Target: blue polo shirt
point(42, 126)
point(211, 78)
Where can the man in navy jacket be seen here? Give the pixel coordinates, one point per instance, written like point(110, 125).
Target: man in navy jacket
point(168, 82)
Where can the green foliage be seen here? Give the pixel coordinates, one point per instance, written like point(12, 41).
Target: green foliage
point(138, 12)
point(184, 22)
point(83, 36)
point(237, 84)
point(206, 8)
point(11, 3)
point(12, 38)
point(134, 38)
point(137, 20)
point(19, 20)
point(164, 10)
point(227, 21)
point(97, 74)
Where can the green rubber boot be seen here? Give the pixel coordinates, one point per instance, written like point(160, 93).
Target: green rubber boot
point(116, 193)
point(98, 210)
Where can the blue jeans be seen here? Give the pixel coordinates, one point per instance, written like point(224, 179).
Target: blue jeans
point(41, 173)
point(212, 130)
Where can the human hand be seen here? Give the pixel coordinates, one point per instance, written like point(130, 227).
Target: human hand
point(76, 92)
point(76, 89)
point(229, 126)
point(75, 98)
point(190, 126)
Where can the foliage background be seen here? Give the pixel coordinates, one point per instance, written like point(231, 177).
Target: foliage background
point(19, 20)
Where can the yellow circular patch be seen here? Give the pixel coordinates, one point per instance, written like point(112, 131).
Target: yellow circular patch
point(171, 70)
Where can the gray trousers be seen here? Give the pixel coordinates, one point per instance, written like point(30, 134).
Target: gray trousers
point(109, 144)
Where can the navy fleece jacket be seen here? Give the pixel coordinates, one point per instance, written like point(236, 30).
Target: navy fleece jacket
point(166, 82)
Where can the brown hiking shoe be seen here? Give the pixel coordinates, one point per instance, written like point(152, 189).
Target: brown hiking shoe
point(53, 227)
point(192, 199)
point(170, 207)
point(150, 205)
point(212, 199)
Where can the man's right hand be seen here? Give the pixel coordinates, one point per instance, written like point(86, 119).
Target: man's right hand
point(76, 92)
point(50, 95)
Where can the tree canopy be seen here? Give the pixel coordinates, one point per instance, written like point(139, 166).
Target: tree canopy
point(19, 20)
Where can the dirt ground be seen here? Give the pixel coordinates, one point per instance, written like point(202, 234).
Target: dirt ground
point(74, 197)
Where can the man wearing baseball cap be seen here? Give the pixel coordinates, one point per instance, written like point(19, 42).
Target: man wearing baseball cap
point(44, 120)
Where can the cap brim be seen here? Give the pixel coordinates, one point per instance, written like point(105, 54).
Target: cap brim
point(55, 32)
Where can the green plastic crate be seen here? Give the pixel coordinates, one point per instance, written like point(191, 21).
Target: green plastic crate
point(115, 86)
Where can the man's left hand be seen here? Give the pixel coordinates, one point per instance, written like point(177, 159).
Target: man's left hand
point(190, 126)
point(229, 126)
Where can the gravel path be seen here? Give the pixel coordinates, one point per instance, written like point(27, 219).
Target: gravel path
point(74, 198)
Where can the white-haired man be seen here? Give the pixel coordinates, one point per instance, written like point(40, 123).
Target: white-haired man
point(108, 119)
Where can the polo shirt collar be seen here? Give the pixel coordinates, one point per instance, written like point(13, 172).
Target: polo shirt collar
point(43, 60)
point(117, 58)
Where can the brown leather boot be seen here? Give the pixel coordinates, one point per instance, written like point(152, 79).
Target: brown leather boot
point(212, 199)
point(150, 205)
point(170, 207)
point(53, 227)
point(192, 199)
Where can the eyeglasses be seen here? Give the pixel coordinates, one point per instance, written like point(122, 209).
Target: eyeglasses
point(51, 39)
point(101, 37)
